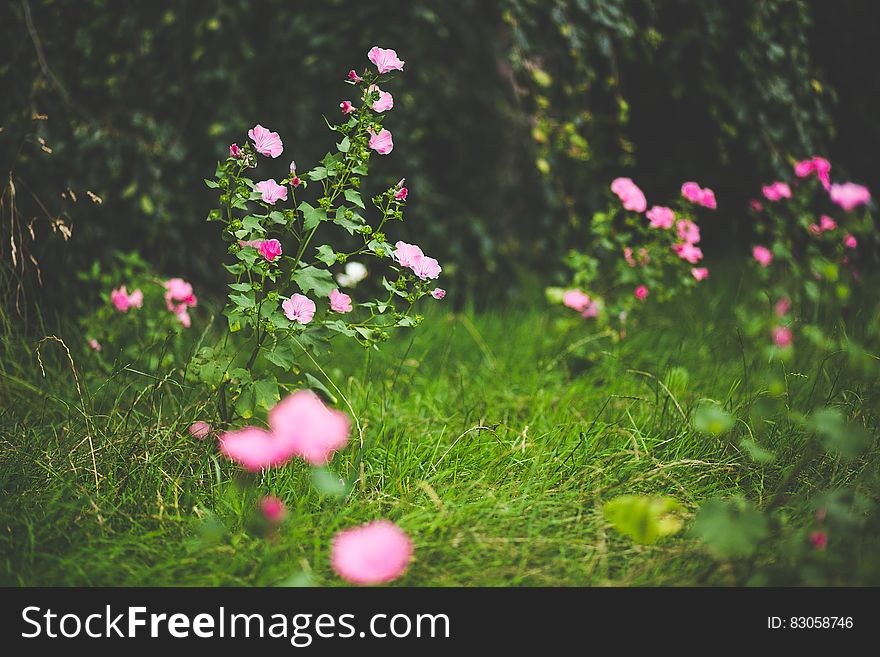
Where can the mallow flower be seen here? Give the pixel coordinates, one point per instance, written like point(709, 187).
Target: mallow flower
point(697, 195)
point(385, 59)
point(425, 268)
point(762, 255)
point(310, 429)
point(632, 198)
point(271, 191)
point(299, 309)
point(375, 553)
point(661, 217)
point(641, 292)
point(340, 302)
point(849, 195)
point(405, 254)
point(438, 293)
point(576, 300)
point(776, 191)
point(688, 231)
point(385, 101)
point(270, 249)
point(265, 142)
point(700, 273)
point(689, 252)
point(381, 142)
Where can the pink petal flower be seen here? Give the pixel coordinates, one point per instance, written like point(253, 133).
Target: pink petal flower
point(426, 268)
point(136, 299)
point(381, 142)
point(756, 205)
point(700, 273)
point(184, 318)
point(200, 430)
point(688, 231)
point(782, 336)
point(762, 255)
point(255, 449)
point(346, 107)
point(273, 509)
point(308, 428)
point(698, 195)
point(374, 553)
point(591, 310)
point(270, 249)
point(850, 242)
point(804, 168)
point(401, 194)
point(641, 293)
point(661, 217)
point(385, 59)
point(234, 151)
point(819, 540)
point(299, 308)
point(271, 191)
point(120, 299)
point(776, 191)
point(178, 297)
point(94, 344)
point(849, 195)
point(576, 300)
point(687, 251)
point(628, 256)
point(405, 253)
point(265, 142)
point(438, 293)
point(827, 223)
point(340, 302)
point(632, 198)
point(354, 77)
point(385, 101)
point(782, 307)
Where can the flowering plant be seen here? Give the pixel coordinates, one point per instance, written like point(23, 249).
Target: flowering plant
point(636, 254)
point(284, 297)
point(813, 237)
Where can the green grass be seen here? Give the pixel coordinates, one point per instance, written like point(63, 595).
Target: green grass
point(492, 438)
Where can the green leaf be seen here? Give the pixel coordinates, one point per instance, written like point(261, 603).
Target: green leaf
point(266, 392)
point(326, 254)
point(837, 435)
point(644, 519)
point(246, 402)
point(313, 279)
point(344, 145)
point(282, 354)
point(328, 483)
point(710, 418)
point(243, 300)
point(311, 216)
point(354, 196)
point(758, 453)
point(731, 529)
point(318, 173)
point(213, 184)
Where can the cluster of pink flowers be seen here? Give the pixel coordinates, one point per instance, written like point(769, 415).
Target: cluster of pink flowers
point(776, 191)
point(123, 301)
point(179, 298)
point(580, 302)
point(299, 426)
point(825, 224)
point(385, 60)
point(632, 198)
point(815, 165)
point(410, 255)
point(697, 195)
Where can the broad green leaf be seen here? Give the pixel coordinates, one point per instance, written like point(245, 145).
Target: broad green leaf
point(354, 196)
point(326, 254)
point(320, 281)
point(710, 418)
point(311, 216)
point(731, 529)
point(266, 392)
point(644, 519)
point(344, 145)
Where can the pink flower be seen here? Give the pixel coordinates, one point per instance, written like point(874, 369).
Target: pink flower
point(782, 307)
point(200, 430)
point(426, 268)
point(374, 553)
point(782, 336)
point(576, 300)
point(340, 302)
point(255, 449)
point(234, 150)
point(401, 194)
point(776, 191)
point(267, 143)
point(94, 344)
point(381, 142)
point(850, 242)
point(818, 165)
point(591, 310)
point(630, 195)
point(178, 298)
point(762, 255)
point(270, 249)
point(346, 107)
point(299, 308)
point(819, 540)
point(308, 428)
point(628, 256)
point(273, 509)
point(827, 223)
point(405, 253)
point(700, 273)
point(641, 293)
point(804, 168)
point(385, 101)
point(661, 217)
point(295, 182)
point(687, 251)
point(438, 293)
point(815, 229)
point(354, 77)
point(271, 191)
point(688, 231)
point(183, 317)
point(849, 195)
point(756, 205)
point(698, 195)
point(122, 300)
point(385, 59)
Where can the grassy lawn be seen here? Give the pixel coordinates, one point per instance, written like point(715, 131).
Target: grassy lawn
point(492, 438)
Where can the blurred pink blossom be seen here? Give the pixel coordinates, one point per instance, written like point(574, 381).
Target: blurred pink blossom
point(308, 428)
point(700, 273)
point(94, 344)
point(687, 251)
point(123, 301)
point(374, 553)
point(661, 217)
point(762, 255)
point(827, 223)
point(776, 191)
point(782, 336)
point(849, 195)
point(273, 509)
point(200, 430)
point(688, 231)
point(630, 195)
point(641, 292)
point(782, 306)
point(255, 449)
point(699, 195)
point(438, 293)
point(576, 300)
point(850, 242)
point(756, 205)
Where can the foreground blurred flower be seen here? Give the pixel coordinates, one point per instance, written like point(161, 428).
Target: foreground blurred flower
point(756, 205)
point(776, 191)
point(255, 449)
point(438, 293)
point(374, 553)
point(700, 273)
point(782, 336)
point(699, 195)
point(641, 293)
point(273, 509)
point(661, 217)
point(310, 429)
point(299, 308)
point(762, 255)
point(270, 249)
point(200, 430)
point(632, 198)
point(826, 223)
point(381, 142)
point(354, 273)
point(385, 59)
point(385, 101)
point(576, 300)
point(849, 195)
point(818, 165)
point(340, 302)
point(271, 191)
point(122, 300)
point(265, 142)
